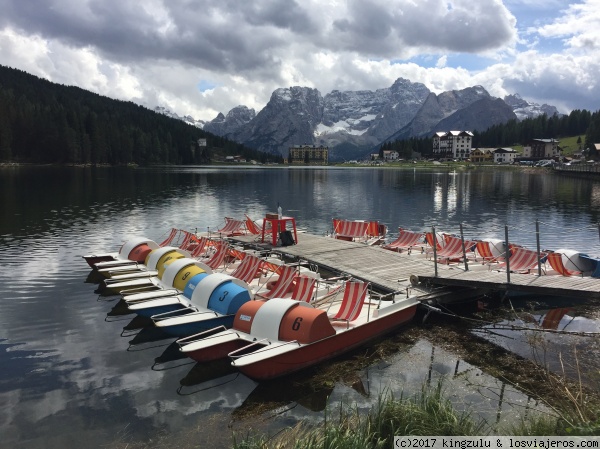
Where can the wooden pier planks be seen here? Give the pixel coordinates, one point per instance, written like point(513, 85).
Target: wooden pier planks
point(552, 285)
point(387, 268)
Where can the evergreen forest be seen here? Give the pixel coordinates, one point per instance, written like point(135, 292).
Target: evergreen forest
point(45, 122)
point(515, 132)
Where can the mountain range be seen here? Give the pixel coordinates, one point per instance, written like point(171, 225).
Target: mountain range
point(354, 123)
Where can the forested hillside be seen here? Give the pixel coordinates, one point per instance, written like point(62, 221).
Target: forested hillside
point(516, 132)
point(44, 122)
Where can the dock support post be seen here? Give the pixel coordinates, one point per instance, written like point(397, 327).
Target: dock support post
point(507, 254)
point(537, 238)
point(462, 237)
point(434, 238)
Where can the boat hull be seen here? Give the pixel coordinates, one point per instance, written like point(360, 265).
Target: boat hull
point(92, 260)
point(136, 280)
point(311, 354)
point(217, 352)
point(148, 312)
point(195, 327)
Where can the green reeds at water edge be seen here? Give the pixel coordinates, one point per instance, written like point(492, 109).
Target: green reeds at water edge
point(428, 413)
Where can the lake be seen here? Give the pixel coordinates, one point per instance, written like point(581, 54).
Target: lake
point(77, 372)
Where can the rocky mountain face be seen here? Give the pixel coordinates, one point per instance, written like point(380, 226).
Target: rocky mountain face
point(486, 112)
point(523, 109)
point(236, 118)
point(406, 99)
point(352, 123)
point(352, 120)
point(289, 118)
point(464, 109)
point(366, 118)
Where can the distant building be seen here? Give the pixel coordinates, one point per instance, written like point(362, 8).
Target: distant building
point(235, 158)
point(505, 155)
point(452, 144)
point(481, 155)
point(541, 149)
point(390, 155)
point(308, 154)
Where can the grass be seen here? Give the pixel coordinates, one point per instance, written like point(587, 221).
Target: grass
point(428, 413)
point(576, 406)
point(570, 146)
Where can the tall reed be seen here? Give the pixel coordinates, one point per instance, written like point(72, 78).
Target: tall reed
point(428, 413)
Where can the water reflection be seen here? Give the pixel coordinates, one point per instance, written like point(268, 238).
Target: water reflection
point(66, 356)
point(170, 354)
point(204, 376)
point(120, 309)
point(558, 339)
point(404, 374)
point(125, 202)
point(281, 396)
point(147, 337)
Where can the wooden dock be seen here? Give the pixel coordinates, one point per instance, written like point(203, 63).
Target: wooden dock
point(393, 271)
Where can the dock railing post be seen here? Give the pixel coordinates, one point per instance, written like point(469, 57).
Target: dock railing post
point(537, 238)
point(462, 237)
point(434, 238)
point(507, 254)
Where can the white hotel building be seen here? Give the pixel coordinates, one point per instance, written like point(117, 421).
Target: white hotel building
point(452, 144)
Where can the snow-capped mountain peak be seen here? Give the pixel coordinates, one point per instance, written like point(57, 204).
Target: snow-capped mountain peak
point(524, 109)
point(186, 118)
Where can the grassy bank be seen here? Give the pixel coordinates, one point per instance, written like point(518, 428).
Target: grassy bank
point(428, 413)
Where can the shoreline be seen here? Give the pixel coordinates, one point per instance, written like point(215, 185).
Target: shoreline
point(341, 165)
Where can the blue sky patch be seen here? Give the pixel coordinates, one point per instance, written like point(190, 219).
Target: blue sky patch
point(205, 85)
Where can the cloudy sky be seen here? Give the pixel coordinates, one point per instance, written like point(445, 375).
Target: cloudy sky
point(201, 57)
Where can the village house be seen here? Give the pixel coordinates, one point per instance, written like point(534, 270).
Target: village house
point(308, 154)
point(375, 159)
point(482, 155)
point(537, 149)
point(390, 155)
point(452, 144)
point(505, 155)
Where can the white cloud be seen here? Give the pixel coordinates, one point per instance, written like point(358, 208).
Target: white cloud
point(65, 65)
point(578, 25)
point(160, 53)
point(565, 81)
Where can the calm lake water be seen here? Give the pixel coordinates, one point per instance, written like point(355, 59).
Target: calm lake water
point(70, 373)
